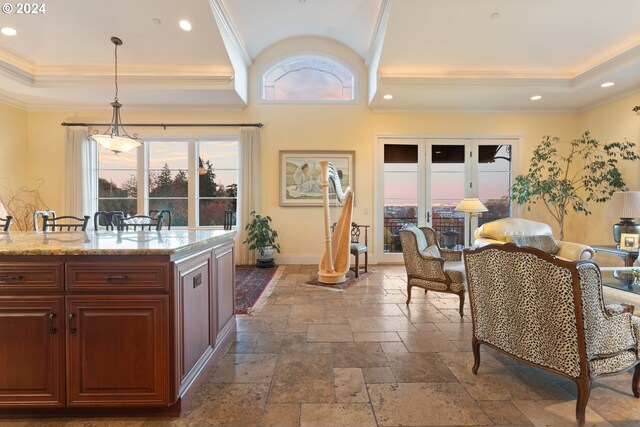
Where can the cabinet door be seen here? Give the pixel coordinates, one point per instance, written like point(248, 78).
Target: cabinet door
point(225, 285)
point(194, 323)
point(117, 350)
point(31, 351)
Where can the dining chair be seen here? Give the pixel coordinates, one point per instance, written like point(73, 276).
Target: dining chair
point(64, 223)
point(166, 215)
point(5, 223)
point(105, 219)
point(139, 222)
point(38, 218)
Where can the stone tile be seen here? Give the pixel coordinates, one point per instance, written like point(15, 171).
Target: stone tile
point(230, 405)
point(394, 347)
point(557, 413)
point(425, 342)
point(245, 368)
point(329, 333)
point(358, 355)
point(302, 378)
point(281, 343)
point(375, 310)
point(504, 413)
point(418, 368)
point(616, 404)
point(438, 404)
point(375, 336)
point(380, 324)
point(456, 331)
point(337, 415)
point(349, 385)
point(378, 375)
point(242, 347)
point(260, 324)
point(310, 313)
point(318, 347)
point(425, 327)
point(280, 415)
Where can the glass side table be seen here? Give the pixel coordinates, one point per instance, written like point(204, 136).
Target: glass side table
point(624, 278)
point(627, 256)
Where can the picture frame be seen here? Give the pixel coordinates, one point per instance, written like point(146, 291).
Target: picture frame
point(629, 242)
point(304, 188)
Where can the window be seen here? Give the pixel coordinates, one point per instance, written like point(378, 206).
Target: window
point(158, 176)
point(308, 78)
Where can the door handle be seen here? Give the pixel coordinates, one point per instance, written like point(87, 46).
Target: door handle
point(72, 318)
point(428, 216)
point(52, 323)
point(117, 277)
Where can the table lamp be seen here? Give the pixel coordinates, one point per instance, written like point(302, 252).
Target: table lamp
point(472, 206)
point(626, 206)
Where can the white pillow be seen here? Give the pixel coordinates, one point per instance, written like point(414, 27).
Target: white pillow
point(432, 252)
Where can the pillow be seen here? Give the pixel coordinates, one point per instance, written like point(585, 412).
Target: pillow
point(501, 228)
point(420, 237)
point(431, 251)
point(543, 242)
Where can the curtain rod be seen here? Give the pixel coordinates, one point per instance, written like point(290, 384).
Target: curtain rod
point(166, 125)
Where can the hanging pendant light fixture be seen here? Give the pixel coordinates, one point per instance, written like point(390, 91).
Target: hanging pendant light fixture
point(116, 138)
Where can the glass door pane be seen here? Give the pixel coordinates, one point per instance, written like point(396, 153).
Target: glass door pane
point(447, 182)
point(494, 180)
point(400, 192)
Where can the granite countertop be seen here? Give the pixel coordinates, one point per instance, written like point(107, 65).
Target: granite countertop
point(167, 242)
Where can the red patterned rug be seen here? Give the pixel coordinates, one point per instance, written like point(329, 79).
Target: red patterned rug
point(250, 283)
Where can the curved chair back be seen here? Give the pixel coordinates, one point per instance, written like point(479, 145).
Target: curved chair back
point(166, 216)
point(64, 223)
point(106, 219)
point(5, 223)
point(139, 222)
point(38, 219)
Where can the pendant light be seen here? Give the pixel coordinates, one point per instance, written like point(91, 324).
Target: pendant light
point(116, 138)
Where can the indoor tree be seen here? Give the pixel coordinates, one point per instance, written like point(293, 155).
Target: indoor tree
point(570, 175)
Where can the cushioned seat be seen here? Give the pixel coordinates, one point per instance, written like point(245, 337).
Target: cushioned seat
point(550, 313)
point(506, 229)
point(430, 267)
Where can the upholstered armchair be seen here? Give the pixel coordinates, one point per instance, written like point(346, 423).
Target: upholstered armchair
point(430, 267)
point(550, 313)
point(508, 229)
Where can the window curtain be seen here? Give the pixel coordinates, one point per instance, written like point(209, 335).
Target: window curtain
point(80, 173)
point(248, 189)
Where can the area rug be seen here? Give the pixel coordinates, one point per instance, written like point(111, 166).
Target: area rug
point(351, 280)
point(250, 284)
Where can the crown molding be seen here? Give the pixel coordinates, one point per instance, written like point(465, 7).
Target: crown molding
point(379, 31)
point(463, 83)
point(224, 24)
point(199, 82)
point(623, 60)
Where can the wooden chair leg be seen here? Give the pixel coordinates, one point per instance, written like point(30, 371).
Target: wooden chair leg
point(366, 261)
point(635, 383)
point(409, 292)
point(475, 346)
point(584, 389)
point(357, 255)
point(461, 309)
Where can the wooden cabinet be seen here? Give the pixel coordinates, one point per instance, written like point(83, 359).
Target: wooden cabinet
point(117, 350)
point(111, 332)
point(32, 351)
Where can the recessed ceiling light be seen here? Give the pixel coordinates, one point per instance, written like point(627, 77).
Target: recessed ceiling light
point(607, 84)
point(185, 25)
point(157, 21)
point(8, 31)
point(495, 15)
point(536, 97)
point(388, 96)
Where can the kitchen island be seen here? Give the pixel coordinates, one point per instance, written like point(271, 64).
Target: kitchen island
point(111, 322)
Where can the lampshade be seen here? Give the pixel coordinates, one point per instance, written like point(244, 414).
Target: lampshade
point(472, 205)
point(115, 138)
point(623, 204)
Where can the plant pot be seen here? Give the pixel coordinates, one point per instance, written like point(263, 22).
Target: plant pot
point(264, 257)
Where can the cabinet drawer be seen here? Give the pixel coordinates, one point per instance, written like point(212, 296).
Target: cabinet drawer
point(30, 276)
point(121, 276)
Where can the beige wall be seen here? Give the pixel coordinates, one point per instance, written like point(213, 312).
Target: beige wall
point(13, 151)
point(330, 127)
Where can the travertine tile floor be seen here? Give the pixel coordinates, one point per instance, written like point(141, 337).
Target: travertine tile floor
point(315, 357)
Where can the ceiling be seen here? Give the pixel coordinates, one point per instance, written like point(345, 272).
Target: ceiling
point(431, 55)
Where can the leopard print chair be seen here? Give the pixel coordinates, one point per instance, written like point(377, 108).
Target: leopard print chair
point(550, 313)
point(430, 267)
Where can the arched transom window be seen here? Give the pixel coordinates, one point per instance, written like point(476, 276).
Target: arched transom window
point(308, 78)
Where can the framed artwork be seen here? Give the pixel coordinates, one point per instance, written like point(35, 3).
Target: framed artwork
point(629, 242)
point(300, 180)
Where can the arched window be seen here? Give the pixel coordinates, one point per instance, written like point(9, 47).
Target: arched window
point(308, 78)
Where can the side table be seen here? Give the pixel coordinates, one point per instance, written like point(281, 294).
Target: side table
point(628, 257)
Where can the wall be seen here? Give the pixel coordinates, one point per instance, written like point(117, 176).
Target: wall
point(332, 127)
point(13, 155)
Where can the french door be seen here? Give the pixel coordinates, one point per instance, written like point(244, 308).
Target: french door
point(424, 179)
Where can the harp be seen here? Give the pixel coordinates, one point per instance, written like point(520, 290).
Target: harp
point(334, 264)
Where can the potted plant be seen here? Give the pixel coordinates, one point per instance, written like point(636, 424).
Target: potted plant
point(567, 176)
point(262, 238)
